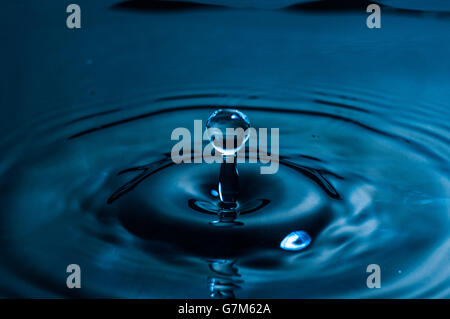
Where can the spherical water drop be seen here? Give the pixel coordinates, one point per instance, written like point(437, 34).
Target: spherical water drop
point(228, 130)
point(297, 240)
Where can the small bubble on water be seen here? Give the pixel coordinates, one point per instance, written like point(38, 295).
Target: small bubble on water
point(228, 142)
point(295, 241)
point(214, 193)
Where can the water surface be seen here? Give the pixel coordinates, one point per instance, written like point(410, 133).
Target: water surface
point(86, 176)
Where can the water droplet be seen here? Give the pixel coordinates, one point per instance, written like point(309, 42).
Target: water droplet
point(297, 240)
point(228, 130)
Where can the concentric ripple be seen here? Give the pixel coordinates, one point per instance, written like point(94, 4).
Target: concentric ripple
point(367, 183)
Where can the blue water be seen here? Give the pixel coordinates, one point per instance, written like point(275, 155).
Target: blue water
point(364, 145)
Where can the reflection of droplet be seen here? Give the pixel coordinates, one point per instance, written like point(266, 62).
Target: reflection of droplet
point(296, 241)
point(228, 142)
point(225, 280)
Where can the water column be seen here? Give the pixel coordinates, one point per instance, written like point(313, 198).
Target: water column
point(228, 133)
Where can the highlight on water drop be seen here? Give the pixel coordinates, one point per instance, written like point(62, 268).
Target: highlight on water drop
point(296, 241)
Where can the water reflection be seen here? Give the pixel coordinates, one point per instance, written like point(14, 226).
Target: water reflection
point(296, 241)
point(224, 280)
